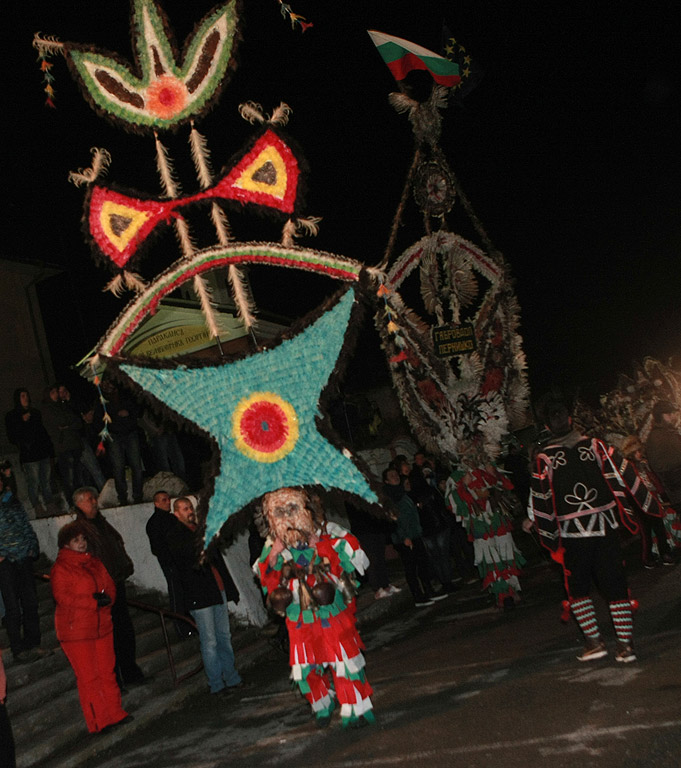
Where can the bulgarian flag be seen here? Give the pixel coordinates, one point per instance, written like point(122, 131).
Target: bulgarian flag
point(401, 56)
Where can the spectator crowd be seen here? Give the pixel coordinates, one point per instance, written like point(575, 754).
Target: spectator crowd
point(449, 526)
point(64, 444)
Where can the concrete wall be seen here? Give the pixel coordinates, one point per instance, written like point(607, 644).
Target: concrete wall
point(130, 522)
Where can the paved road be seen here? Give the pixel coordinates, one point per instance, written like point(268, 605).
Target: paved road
point(477, 690)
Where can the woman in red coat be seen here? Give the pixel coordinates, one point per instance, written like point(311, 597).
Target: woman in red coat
point(84, 591)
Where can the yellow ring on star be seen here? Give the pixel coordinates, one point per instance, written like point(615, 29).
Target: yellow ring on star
point(264, 427)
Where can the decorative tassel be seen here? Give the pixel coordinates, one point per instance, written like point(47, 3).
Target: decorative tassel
point(106, 419)
point(47, 46)
point(101, 159)
point(565, 613)
point(294, 18)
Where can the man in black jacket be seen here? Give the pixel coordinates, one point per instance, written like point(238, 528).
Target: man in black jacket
point(158, 527)
point(207, 586)
point(106, 543)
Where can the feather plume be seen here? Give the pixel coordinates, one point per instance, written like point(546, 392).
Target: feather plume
point(424, 116)
point(463, 284)
point(115, 286)
point(184, 237)
point(165, 170)
point(430, 285)
point(438, 96)
point(402, 103)
point(281, 114)
point(48, 45)
point(245, 306)
point(101, 159)
point(201, 158)
point(134, 282)
point(252, 112)
point(288, 233)
point(221, 224)
point(205, 299)
point(308, 226)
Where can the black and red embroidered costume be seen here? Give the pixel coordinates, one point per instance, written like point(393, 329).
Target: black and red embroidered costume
point(581, 492)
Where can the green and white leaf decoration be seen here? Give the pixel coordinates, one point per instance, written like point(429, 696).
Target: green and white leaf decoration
point(163, 93)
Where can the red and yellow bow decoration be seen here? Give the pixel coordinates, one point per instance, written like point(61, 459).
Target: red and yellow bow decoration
point(267, 175)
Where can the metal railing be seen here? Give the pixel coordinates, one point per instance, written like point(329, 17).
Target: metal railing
point(163, 614)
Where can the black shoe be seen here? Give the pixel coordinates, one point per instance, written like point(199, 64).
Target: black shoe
point(439, 595)
point(667, 559)
point(423, 602)
point(649, 564)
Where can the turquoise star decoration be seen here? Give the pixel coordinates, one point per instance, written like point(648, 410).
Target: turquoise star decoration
point(261, 413)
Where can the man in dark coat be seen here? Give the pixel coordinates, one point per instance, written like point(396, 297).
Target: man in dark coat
point(25, 429)
point(107, 544)
point(207, 587)
point(123, 448)
point(158, 528)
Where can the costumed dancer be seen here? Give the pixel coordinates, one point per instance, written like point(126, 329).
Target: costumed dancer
point(580, 495)
point(486, 517)
point(307, 570)
point(667, 529)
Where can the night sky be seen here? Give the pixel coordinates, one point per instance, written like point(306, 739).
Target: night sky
point(567, 150)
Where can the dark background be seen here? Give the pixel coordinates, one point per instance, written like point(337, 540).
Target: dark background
point(567, 150)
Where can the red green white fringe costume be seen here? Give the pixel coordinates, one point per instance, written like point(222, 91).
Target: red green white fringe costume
point(489, 527)
point(324, 639)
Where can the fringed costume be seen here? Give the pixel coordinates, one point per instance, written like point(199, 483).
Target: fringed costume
point(312, 580)
point(485, 516)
